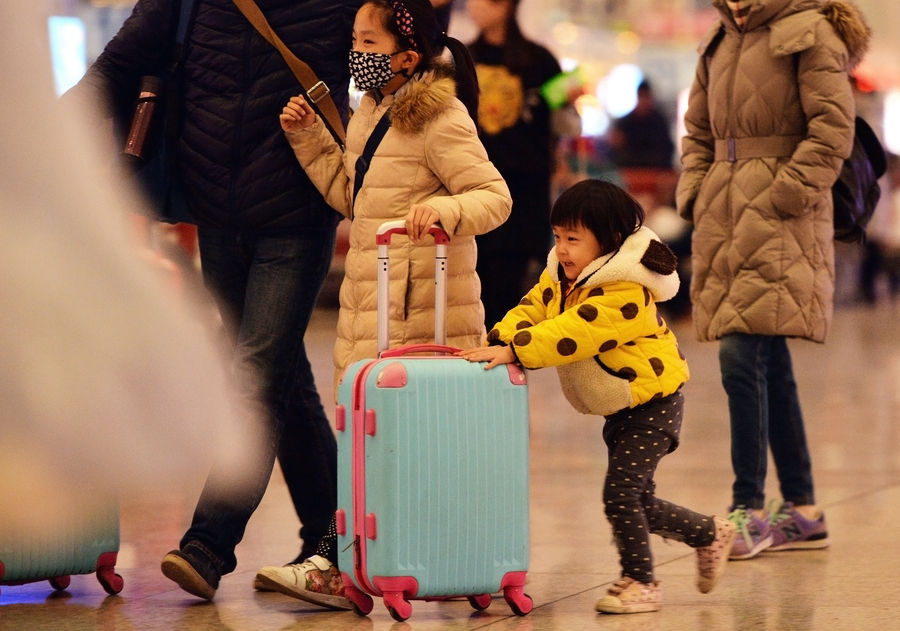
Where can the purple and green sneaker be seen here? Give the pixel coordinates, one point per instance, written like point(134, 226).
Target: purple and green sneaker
point(792, 531)
point(753, 534)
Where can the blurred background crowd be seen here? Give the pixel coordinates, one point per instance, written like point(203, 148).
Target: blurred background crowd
point(615, 95)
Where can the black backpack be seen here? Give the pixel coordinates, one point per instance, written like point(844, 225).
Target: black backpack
point(856, 191)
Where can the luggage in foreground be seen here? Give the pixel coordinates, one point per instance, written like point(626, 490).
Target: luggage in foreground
point(85, 545)
point(433, 470)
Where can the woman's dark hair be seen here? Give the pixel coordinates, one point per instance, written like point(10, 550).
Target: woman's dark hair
point(601, 207)
point(430, 41)
point(519, 53)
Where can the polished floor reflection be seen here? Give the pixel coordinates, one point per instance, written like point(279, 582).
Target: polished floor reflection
point(849, 389)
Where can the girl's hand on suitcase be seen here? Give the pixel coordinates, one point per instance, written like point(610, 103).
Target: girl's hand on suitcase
point(297, 114)
point(494, 355)
point(419, 220)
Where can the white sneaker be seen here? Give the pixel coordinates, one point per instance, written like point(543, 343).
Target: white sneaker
point(711, 560)
point(630, 596)
point(315, 580)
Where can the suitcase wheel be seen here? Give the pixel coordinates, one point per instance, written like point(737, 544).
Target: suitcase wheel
point(361, 603)
point(520, 602)
point(59, 583)
point(112, 583)
point(481, 602)
point(397, 606)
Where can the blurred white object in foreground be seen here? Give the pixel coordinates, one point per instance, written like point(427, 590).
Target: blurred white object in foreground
point(108, 384)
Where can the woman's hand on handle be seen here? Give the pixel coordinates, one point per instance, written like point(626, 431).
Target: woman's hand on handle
point(297, 114)
point(494, 355)
point(418, 221)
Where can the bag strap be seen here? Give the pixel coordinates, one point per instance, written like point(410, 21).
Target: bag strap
point(363, 161)
point(317, 92)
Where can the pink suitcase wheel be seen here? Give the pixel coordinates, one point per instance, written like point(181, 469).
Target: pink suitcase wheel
point(112, 583)
point(361, 602)
point(520, 602)
point(481, 602)
point(397, 605)
point(60, 583)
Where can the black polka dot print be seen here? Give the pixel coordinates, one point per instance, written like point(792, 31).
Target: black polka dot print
point(522, 338)
point(630, 311)
point(587, 312)
point(627, 373)
point(493, 336)
point(657, 365)
point(566, 346)
point(525, 302)
point(608, 345)
point(646, 297)
point(524, 324)
point(596, 291)
point(637, 439)
point(547, 296)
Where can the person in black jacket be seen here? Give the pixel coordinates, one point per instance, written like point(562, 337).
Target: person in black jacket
point(515, 126)
point(266, 237)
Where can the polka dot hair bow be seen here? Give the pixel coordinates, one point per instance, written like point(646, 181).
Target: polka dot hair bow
point(404, 22)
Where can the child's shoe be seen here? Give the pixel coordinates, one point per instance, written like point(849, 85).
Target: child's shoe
point(630, 596)
point(712, 559)
point(753, 534)
point(315, 580)
point(792, 531)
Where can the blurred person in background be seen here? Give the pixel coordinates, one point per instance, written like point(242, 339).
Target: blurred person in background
point(641, 138)
point(515, 126)
point(266, 237)
point(770, 121)
point(443, 10)
point(111, 386)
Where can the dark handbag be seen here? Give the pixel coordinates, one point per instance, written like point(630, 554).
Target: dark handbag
point(150, 151)
point(856, 191)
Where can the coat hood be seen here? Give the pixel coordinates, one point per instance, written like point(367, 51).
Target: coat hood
point(793, 24)
point(642, 259)
point(423, 98)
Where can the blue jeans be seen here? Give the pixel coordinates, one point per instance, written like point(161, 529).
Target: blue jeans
point(765, 412)
point(265, 285)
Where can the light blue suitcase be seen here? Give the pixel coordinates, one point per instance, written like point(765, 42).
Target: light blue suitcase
point(433, 471)
point(86, 544)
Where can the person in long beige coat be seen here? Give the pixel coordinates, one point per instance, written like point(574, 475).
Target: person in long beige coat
point(769, 122)
point(431, 156)
point(429, 167)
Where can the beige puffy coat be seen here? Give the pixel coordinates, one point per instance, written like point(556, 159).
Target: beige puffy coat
point(432, 155)
point(769, 122)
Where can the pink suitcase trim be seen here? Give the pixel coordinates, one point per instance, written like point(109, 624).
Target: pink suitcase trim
point(340, 418)
point(393, 376)
point(340, 522)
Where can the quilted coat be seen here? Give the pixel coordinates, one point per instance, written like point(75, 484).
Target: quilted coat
point(431, 155)
point(609, 343)
point(237, 169)
point(769, 123)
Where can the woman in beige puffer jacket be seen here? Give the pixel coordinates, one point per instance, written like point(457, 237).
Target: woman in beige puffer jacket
point(430, 155)
point(769, 122)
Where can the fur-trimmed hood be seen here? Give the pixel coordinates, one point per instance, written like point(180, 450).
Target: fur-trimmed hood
point(642, 259)
point(793, 24)
point(423, 98)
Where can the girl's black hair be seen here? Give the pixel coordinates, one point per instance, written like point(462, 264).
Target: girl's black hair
point(430, 42)
point(603, 208)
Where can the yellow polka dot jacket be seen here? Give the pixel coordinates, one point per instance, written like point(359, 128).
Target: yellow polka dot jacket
point(611, 347)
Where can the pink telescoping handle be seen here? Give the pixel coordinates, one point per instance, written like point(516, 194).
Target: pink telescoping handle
point(383, 239)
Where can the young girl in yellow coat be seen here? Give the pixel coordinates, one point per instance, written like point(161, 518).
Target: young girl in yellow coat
point(593, 315)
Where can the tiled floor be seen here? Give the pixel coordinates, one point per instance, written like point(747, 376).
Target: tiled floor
point(850, 390)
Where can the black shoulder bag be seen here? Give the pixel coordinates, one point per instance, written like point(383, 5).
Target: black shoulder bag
point(363, 161)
